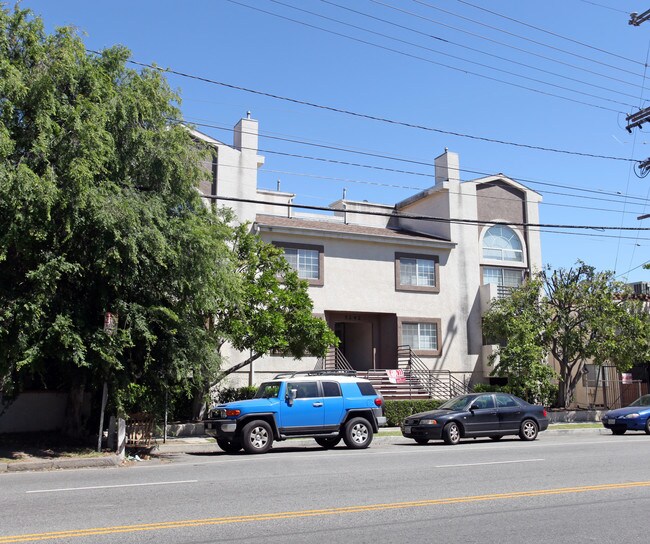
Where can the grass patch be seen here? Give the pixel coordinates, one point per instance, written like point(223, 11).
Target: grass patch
point(575, 425)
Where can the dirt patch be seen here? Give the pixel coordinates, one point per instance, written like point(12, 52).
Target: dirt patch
point(33, 446)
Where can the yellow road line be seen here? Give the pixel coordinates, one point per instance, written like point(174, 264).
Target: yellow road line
point(160, 526)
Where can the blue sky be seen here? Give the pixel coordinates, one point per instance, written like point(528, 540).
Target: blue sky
point(559, 74)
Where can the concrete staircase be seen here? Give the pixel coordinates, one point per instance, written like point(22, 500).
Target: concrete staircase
point(411, 389)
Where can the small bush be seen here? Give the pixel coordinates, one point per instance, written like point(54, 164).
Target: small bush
point(487, 388)
point(397, 410)
point(231, 394)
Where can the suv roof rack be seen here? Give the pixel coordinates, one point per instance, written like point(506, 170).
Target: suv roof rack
point(315, 373)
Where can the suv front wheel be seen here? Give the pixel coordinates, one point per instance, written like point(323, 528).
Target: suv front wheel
point(358, 433)
point(257, 437)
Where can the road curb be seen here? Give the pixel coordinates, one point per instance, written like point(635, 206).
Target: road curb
point(67, 463)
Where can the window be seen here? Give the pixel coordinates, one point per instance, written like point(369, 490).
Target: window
point(483, 402)
point(306, 260)
point(305, 390)
point(331, 389)
point(501, 243)
point(504, 401)
point(366, 388)
point(502, 277)
point(420, 335)
point(416, 272)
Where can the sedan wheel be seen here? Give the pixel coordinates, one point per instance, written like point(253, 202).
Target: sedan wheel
point(451, 433)
point(528, 430)
point(647, 426)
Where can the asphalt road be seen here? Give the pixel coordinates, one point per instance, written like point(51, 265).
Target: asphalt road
point(582, 487)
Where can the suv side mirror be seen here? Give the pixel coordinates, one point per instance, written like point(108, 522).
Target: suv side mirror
point(291, 396)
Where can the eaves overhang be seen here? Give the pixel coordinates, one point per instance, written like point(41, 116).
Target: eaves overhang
point(376, 238)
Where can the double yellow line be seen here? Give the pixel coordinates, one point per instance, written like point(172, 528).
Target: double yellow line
point(161, 526)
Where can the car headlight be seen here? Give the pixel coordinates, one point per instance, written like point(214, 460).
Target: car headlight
point(632, 416)
point(428, 422)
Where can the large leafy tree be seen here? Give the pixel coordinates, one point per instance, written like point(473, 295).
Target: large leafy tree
point(99, 213)
point(275, 311)
point(581, 316)
point(516, 322)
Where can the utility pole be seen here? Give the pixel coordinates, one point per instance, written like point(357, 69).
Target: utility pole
point(636, 19)
point(635, 120)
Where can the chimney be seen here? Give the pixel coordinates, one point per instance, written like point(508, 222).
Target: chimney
point(245, 137)
point(447, 167)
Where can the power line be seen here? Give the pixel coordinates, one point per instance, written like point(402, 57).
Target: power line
point(507, 45)
point(372, 117)
point(425, 217)
point(550, 33)
point(603, 6)
point(411, 161)
point(455, 68)
point(537, 68)
point(527, 39)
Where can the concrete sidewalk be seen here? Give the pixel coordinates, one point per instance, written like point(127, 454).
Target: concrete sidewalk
point(206, 444)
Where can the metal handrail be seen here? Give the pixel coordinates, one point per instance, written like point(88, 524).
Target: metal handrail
point(334, 360)
point(437, 383)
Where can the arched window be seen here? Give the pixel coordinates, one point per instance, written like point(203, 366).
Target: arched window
point(500, 243)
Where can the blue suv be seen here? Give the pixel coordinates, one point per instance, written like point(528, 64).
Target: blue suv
point(325, 405)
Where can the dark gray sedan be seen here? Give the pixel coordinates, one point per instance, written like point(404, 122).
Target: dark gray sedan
point(492, 415)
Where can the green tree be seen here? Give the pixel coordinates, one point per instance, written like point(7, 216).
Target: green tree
point(581, 316)
point(99, 213)
point(275, 311)
point(522, 358)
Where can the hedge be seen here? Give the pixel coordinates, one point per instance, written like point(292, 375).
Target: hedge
point(397, 410)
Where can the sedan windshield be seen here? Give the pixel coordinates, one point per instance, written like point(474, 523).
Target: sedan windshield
point(268, 390)
point(459, 403)
point(642, 401)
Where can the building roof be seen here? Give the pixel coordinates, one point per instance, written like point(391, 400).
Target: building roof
point(334, 228)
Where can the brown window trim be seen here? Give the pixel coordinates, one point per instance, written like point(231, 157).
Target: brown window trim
point(422, 352)
point(417, 288)
point(321, 259)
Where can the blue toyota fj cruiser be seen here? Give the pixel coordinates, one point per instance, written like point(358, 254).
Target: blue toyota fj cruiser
point(325, 405)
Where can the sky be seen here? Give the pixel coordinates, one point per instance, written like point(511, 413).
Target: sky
point(538, 91)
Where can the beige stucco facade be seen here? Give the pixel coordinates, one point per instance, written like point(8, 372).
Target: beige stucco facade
point(360, 246)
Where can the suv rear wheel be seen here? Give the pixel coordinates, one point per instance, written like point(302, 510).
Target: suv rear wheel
point(358, 433)
point(257, 437)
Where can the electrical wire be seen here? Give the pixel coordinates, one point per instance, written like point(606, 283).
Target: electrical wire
point(473, 49)
point(411, 161)
point(369, 116)
point(551, 33)
point(503, 44)
point(614, 67)
point(603, 6)
point(420, 217)
point(454, 68)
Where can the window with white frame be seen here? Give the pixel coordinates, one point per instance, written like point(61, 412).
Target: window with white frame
point(420, 336)
point(503, 277)
point(420, 272)
point(501, 243)
point(306, 260)
point(303, 261)
point(416, 272)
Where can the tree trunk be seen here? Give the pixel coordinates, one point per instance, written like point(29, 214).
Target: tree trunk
point(236, 367)
point(74, 424)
